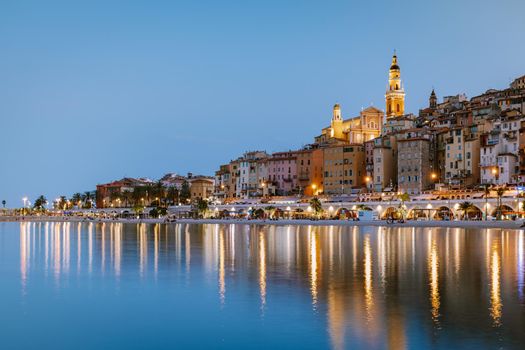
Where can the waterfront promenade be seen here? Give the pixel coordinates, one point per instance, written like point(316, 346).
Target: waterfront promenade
point(502, 224)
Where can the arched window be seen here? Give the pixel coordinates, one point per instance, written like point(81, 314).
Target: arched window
point(398, 107)
point(397, 87)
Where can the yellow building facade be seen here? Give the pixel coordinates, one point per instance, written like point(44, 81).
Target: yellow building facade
point(357, 130)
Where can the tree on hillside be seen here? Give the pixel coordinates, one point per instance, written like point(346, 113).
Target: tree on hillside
point(4, 203)
point(185, 193)
point(173, 195)
point(139, 195)
point(160, 192)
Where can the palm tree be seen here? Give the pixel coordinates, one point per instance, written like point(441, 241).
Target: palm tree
point(270, 209)
point(465, 207)
point(76, 199)
point(404, 197)
point(499, 192)
point(62, 203)
point(40, 203)
point(258, 213)
point(362, 207)
point(202, 207)
point(316, 206)
point(87, 198)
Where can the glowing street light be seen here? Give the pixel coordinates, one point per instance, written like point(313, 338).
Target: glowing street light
point(495, 173)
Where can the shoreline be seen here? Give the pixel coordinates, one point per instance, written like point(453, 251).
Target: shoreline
point(283, 222)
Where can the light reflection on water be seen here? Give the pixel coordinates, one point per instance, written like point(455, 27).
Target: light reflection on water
point(314, 286)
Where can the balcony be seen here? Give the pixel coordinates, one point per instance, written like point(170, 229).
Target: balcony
point(470, 137)
point(304, 177)
point(511, 136)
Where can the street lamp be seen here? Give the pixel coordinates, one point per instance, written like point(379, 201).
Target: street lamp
point(495, 174)
point(314, 188)
point(367, 180)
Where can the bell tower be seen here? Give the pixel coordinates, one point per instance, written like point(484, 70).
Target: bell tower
point(337, 123)
point(432, 101)
point(395, 94)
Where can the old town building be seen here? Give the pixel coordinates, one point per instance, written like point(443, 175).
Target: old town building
point(414, 173)
point(310, 171)
point(282, 172)
point(344, 168)
point(462, 156)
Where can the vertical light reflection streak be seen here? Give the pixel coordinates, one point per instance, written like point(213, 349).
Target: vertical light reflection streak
point(118, 249)
point(457, 256)
point(354, 248)
point(521, 267)
point(381, 254)
point(156, 229)
point(262, 269)
point(46, 247)
point(495, 291)
point(367, 262)
point(66, 229)
point(313, 266)
point(56, 252)
point(433, 267)
point(222, 282)
point(112, 228)
point(143, 242)
point(187, 250)
point(90, 248)
point(103, 247)
point(23, 256)
point(79, 246)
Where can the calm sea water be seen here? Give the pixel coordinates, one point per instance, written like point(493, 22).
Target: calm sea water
point(138, 286)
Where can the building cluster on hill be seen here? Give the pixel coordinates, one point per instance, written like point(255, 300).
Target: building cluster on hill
point(455, 144)
point(171, 189)
point(458, 143)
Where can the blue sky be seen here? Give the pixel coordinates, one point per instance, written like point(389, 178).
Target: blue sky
point(92, 91)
